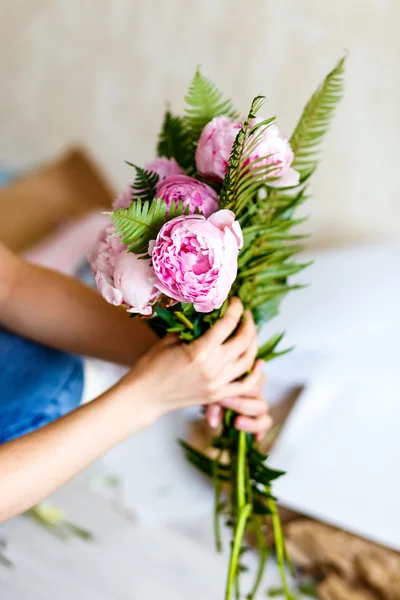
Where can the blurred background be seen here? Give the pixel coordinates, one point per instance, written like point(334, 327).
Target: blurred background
point(83, 88)
point(99, 73)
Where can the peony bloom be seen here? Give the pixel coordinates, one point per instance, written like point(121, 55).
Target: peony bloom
point(277, 151)
point(164, 167)
point(215, 145)
point(104, 255)
point(122, 277)
point(192, 192)
point(124, 198)
point(195, 259)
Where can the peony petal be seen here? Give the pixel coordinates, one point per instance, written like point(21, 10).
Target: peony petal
point(289, 178)
point(107, 290)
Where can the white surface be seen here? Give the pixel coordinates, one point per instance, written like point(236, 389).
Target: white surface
point(126, 561)
point(341, 448)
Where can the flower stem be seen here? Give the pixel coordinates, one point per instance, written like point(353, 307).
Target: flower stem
point(243, 513)
point(264, 554)
point(236, 546)
point(217, 499)
point(184, 320)
point(279, 546)
point(241, 472)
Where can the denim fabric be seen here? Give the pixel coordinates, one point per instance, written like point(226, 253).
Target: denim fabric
point(37, 385)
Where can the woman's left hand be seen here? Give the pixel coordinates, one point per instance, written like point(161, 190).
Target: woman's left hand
point(251, 408)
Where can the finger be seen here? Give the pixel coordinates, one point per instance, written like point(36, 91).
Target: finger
point(246, 406)
point(236, 369)
point(245, 336)
point(214, 415)
point(254, 425)
point(223, 328)
point(243, 365)
point(168, 340)
point(254, 381)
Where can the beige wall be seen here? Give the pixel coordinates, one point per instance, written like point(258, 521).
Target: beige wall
point(100, 72)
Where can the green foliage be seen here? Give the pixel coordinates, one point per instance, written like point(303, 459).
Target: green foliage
point(246, 176)
point(174, 141)
point(204, 102)
point(144, 187)
point(315, 120)
point(141, 222)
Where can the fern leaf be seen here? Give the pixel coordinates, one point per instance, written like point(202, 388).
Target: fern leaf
point(174, 141)
point(141, 222)
point(204, 102)
point(144, 186)
point(315, 121)
point(245, 176)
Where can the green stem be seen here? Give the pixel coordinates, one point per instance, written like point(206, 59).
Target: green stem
point(235, 552)
point(184, 320)
point(217, 499)
point(243, 513)
point(241, 472)
point(279, 545)
point(264, 555)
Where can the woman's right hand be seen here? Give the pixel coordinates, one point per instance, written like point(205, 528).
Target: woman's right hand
point(175, 375)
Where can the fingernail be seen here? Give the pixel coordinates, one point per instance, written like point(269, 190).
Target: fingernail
point(213, 417)
point(213, 421)
point(228, 402)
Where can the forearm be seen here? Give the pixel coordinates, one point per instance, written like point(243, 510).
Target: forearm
point(61, 312)
point(35, 465)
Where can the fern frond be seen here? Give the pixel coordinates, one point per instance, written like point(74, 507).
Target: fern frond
point(315, 121)
point(204, 102)
point(174, 141)
point(141, 222)
point(144, 186)
point(246, 175)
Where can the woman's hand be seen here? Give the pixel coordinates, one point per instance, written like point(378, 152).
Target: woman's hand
point(174, 375)
point(251, 407)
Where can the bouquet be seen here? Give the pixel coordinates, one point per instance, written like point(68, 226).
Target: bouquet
point(213, 217)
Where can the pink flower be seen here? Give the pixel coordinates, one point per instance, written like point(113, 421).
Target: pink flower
point(195, 259)
point(192, 192)
point(124, 198)
point(164, 167)
point(104, 255)
point(274, 149)
point(123, 277)
point(215, 145)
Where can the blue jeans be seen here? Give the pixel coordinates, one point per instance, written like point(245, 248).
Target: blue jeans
point(37, 385)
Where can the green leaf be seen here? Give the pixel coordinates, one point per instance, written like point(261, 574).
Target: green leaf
point(141, 222)
point(204, 102)
point(174, 141)
point(144, 187)
point(205, 464)
point(245, 176)
point(315, 120)
point(269, 346)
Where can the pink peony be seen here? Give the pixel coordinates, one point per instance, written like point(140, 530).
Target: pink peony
point(124, 198)
point(215, 145)
point(195, 259)
point(122, 277)
point(104, 255)
point(277, 151)
point(164, 167)
point(192, 192)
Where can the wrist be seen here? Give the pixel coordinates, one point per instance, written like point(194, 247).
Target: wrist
point(135, 405)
